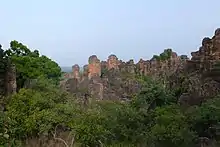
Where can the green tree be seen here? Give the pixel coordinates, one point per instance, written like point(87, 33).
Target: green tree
point(152, 95)
point(38, 110)
point(130, 126)
point(89, 128)
point(30, 65)
point(170, 128)
point(156, 57)
point(166, 54)
point(205, 119)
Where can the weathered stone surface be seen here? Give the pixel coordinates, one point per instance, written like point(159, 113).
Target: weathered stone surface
point(117, 77)
point(217, 32)
point(158, 68)
point(76, 73)
point(201, 81)
point(130, 66)
point(96, 88)
point(68, 75)
point(112, 62)
point(208, 54)
point(94, 67)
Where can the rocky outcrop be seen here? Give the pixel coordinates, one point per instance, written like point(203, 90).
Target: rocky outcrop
point(94, 67)
point(201, 75)
point(207, 55)
point(115, 79)
point(109, 79)
point(76, 73)
point(158, 66)
point(112, 62)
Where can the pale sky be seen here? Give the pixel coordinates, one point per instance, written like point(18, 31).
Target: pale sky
point(69, 31)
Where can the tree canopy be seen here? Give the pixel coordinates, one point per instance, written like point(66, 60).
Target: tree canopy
point(30, 64)
point(166, 54)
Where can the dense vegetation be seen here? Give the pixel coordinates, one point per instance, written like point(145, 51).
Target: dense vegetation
point(30, 64)
point(153, 118)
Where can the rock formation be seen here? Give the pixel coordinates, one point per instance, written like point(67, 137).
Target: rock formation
point(94, 67)
point(157, 67)
point(76, 73)
point(201, 79)
point(114, 79)
point(112, 62)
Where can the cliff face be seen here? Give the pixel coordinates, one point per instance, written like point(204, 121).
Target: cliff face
point(159, 67)
point(200, 73)
point(207, 55)
point(115, 79)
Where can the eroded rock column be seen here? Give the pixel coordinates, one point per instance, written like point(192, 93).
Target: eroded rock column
point(76, 73)
point(94, 67)
point(112, 62)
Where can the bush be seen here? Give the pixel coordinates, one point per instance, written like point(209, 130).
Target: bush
point(37, 111)
point(170, 128)
point(152, 95)
point(205, 120)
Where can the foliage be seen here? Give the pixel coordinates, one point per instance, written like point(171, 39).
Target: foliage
point(170, 128)
point(166, 54)
point(30, 65)
point(183, 57)
point(156, 57)
point(180, 86)
point(89, 128)
point(152, 95)
point(205, 119)
point(6, 139)
point(129, 126)
point(37, 111)
point(104, 71)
